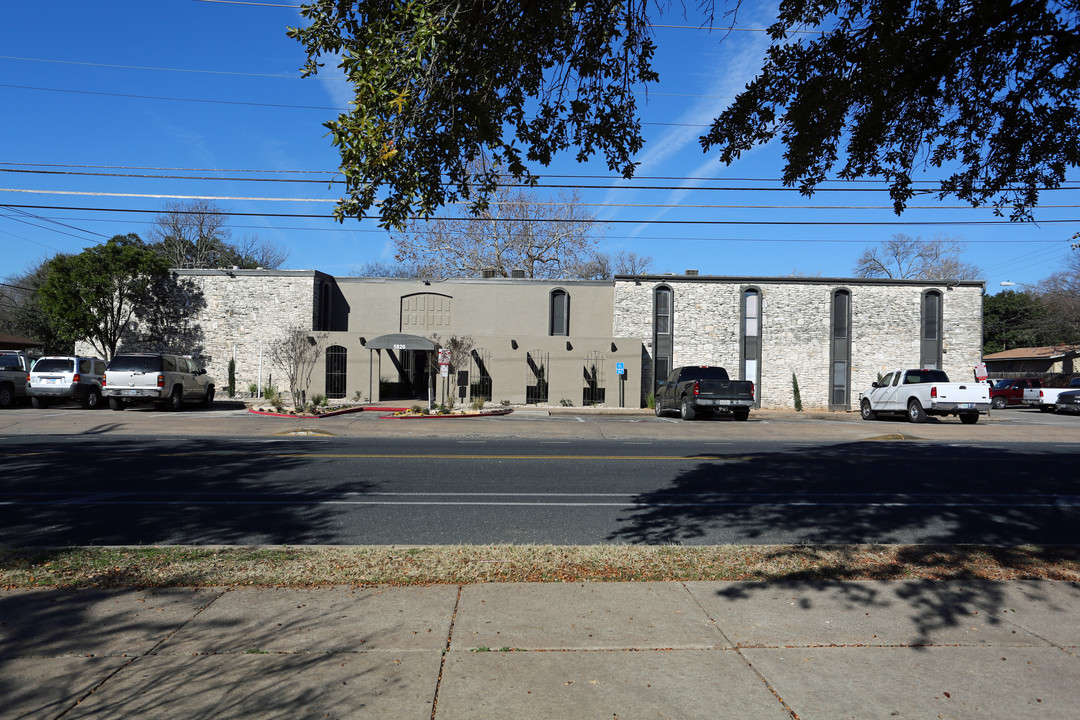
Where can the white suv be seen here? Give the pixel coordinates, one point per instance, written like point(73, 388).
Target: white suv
point(170, 380)
point(66, 377)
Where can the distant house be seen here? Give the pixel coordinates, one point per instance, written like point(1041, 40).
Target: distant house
point(1040, 360)
point(11, 342)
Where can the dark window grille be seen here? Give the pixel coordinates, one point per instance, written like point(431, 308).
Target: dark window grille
point(336, 362)
point(593, 392)
point(536, 377)
point(481, 374)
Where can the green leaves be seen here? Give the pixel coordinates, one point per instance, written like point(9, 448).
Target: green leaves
point(94, 294)
point(988, 92)
point(438, 85)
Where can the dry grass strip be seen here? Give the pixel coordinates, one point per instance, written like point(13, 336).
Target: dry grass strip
point(75, 567)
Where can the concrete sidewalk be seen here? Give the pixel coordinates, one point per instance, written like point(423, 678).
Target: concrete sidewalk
point(598, 650)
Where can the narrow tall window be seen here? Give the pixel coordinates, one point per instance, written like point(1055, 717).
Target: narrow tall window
point(336, 362)
point(662, 333)
point(560, 313)
point(751, 338)
point(930, 342)
point(840, 383)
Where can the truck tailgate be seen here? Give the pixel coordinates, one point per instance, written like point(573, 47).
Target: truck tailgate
point(727, 389)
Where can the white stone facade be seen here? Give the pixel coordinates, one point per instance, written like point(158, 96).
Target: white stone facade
point(796, 327)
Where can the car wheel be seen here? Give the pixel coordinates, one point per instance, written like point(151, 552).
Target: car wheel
point(116, 403)
point(176, 400)
point(7, 396)
point(208, 401)
point(741, 414)
point(39, 403)
point(686, 411)
point(658, 408)
point(92, 399)
point(867, 411)
point(998, 403)
point(969, 418)
point(915, 412)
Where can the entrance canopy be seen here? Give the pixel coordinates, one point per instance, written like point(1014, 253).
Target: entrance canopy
point(400, 341)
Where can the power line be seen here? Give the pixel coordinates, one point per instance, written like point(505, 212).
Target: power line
point(12, 167)
point(801, 223)
point(666, 206)
point(145, 67)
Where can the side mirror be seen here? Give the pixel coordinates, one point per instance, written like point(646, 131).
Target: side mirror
point(874, 385)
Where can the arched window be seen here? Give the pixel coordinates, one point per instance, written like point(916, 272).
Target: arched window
point(930, 337)
point(751, 339)
point(840, 382)
point(336, 362)
point(663, 315)
point(559, 316)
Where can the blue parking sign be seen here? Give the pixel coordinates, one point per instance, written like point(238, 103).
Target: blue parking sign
point(620, 369)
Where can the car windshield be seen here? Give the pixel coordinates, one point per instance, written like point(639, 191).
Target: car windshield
point(55, 365)
point(135, 363)
point(1003, 383)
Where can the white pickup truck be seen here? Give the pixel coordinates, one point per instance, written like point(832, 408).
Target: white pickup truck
point(918, 393)
point(1045, 398)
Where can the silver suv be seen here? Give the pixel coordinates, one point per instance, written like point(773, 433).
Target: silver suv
point(66, 377)
point(170, 380)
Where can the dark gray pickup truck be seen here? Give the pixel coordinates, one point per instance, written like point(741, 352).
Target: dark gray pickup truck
point(691, 390)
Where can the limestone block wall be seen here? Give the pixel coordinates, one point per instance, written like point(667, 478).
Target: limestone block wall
point(215, 315)
point(244, 313)
point(796, 327)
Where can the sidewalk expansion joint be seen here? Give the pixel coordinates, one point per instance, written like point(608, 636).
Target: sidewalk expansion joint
point(445, 652)
point(136, 658)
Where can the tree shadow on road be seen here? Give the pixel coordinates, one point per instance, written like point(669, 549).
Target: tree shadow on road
point(943, 505)
point(144, 492)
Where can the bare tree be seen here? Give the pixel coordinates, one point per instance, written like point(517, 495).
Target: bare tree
point(906, 258)
point(296, 354)
point(630, 263)
point(515, 231)
point(195, 235)
point(1060, 295)
point(384, 270)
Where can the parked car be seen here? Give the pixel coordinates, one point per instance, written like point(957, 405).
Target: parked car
point(692, 390)
point(169, 380)
point(1010, 391)
point(1068, 402)
point(1046, 398)
point(14, 367)
point(918, 393)
point(66, 377)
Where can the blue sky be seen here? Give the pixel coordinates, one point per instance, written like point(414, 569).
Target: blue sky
point(203, 98)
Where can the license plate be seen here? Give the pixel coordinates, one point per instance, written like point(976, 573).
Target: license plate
point(967, 406)
point(131, 392)
point(52, 381)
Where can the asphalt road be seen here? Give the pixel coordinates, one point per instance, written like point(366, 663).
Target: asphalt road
point(230, 478)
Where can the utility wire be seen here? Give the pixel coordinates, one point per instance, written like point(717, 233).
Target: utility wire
point(13, 167)
point(800, 223)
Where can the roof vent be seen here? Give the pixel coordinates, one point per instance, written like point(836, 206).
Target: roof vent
point(692, 272)
point(487, 273)
point(517, 274)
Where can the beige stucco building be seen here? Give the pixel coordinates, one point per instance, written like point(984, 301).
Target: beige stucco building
point(579, 342)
